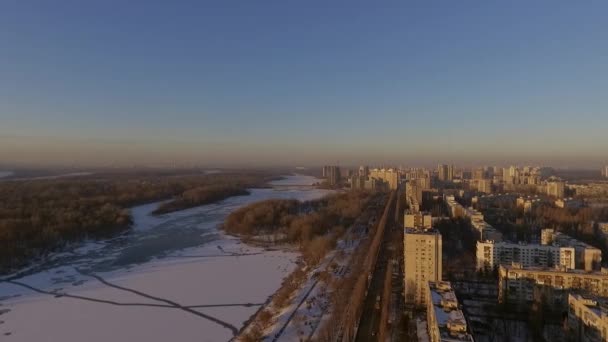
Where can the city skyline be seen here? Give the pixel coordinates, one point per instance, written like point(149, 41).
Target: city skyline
point(285, 84)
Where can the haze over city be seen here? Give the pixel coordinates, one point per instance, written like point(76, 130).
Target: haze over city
point(117, 83)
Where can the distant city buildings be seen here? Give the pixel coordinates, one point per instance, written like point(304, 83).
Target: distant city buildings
point(422, 252)
point(363, 171)
point(482, 185)
point(556, 187)
point(529, 204)
point(390, 176)
point(445, 320)
point(445, 173)
point(568, 203)
point(332, 174)
point(513, 176)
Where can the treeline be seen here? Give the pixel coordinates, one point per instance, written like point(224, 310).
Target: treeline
point(209, 193)
point(314, 226)
point(42, 215)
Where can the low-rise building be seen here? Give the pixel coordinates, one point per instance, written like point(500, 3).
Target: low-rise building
point(445, 321)
point(517, 284)
point(587, 318)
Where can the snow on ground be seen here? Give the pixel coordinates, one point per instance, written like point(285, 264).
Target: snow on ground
point(174, 277)
point(245, 281)
point(309, 305)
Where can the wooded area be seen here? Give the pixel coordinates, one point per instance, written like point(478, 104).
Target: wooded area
point(314, 225)
point(39, 216)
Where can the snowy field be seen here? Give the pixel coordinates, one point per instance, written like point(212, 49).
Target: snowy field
point(174, 277)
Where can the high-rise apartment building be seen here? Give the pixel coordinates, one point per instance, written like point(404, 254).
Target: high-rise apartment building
point(363, 171)
point(332, 174)
point(605, 171)
point(484, 185)
point(445, 173)
point(422, 263)
point(479, 173)
point(556, 188)
point(390, 176)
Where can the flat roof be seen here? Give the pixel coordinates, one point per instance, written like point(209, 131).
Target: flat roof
point(447, 315)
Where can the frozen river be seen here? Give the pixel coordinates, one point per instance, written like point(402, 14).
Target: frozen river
point(174, 277)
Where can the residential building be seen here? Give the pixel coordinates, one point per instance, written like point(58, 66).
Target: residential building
point(491, 254)
point(363, 171)
point(332, 174)
point(417, 219)
point(484, 185)
point(587, 318)
point(603, 226)
point(414, 190)
point(390, 176)
point(484, 231)
point(568, 203)
point(445, 321)
point(556, 187)
point(357, 182)
point(422, 263)
point(587, 257)
point(479, 173)
point(445, 173)
point(517, 283)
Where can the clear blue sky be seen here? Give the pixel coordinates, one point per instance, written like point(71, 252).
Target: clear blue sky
point(303, 82)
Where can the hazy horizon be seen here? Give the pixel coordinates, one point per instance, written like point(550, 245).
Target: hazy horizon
point(287, 83)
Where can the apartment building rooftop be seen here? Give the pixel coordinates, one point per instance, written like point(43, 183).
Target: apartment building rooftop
point(448, 318)
point(518, 267)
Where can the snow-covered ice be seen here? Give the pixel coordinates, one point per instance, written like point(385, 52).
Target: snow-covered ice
point(173, 277)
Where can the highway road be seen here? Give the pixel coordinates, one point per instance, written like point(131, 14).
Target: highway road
point(370, 319)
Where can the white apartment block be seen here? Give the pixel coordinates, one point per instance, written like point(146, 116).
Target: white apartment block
point(587, 257)
point(492, 254)
point(422, 263)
